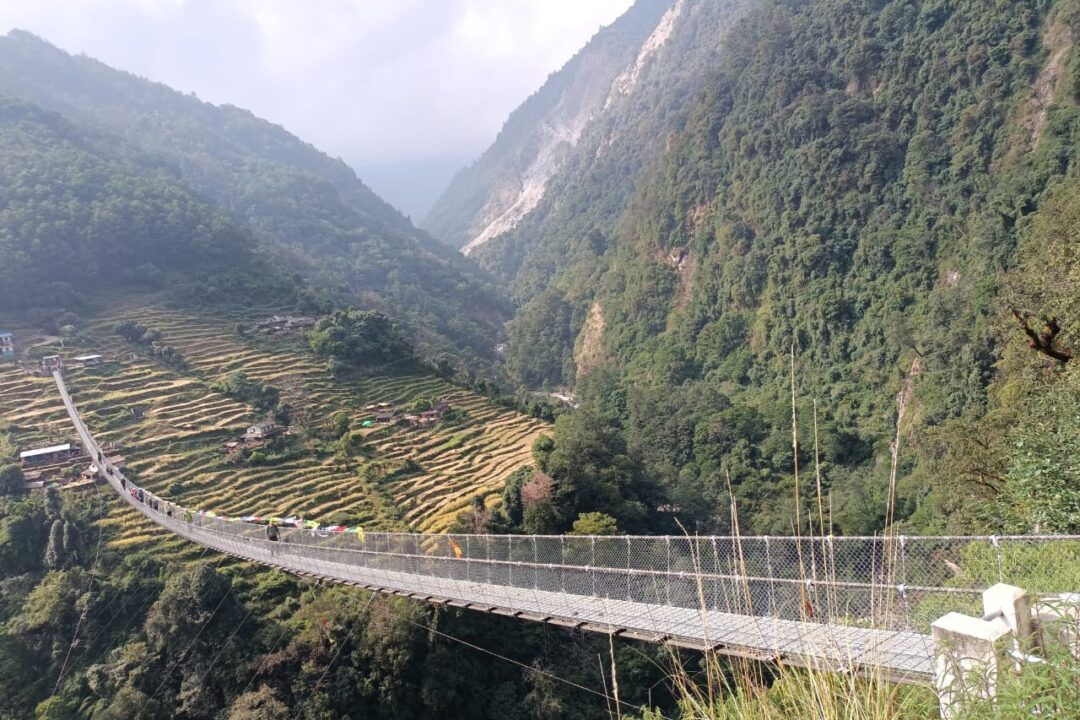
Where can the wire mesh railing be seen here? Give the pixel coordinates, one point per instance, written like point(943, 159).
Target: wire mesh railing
point(893, 583)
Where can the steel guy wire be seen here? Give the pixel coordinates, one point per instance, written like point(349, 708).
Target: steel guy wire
point(82, 616)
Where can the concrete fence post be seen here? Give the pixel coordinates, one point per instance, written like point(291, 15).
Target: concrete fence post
point(1056, 624)
point(1013, 605)
point(969, 654)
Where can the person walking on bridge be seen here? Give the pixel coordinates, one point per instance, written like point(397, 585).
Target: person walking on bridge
point(272, 535)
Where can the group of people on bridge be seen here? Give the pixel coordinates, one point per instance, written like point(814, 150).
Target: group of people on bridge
point(273, 524)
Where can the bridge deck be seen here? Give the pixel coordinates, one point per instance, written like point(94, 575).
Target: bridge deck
point(901, 655)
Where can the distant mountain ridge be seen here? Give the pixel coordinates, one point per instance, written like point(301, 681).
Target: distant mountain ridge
point(507, 182)
point(308, 210)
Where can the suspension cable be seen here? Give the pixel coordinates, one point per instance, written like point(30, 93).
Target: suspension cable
point(531, 668)
point(206, 624)
point(340, 647)
point(82, 617)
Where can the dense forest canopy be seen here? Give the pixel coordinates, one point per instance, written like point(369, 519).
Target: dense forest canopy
point(850, 181)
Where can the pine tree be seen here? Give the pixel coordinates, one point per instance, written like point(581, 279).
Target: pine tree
point(53, 503)
point(72, 542)
point(54, 551)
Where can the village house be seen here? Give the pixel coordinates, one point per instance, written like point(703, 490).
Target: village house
point(272, 323)
point(88, 360)
point(48, 455)
point(299, 321)
point(436, 413)
point(7, 346)
point(285, 322)
point(387, 417)
point(263, 431)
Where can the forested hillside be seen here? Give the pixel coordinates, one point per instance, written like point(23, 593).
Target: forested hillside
point(78, 217)
point(308, 210)
point(848, 188)
point(574, 220)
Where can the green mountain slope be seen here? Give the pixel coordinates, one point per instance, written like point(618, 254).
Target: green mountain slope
point(851, 180)
point(77, 217)
point(622, 141)
point(306, 208)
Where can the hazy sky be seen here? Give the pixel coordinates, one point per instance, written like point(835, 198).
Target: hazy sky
point(391, 86)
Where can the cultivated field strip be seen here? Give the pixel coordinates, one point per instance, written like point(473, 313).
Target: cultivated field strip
point(171, 427)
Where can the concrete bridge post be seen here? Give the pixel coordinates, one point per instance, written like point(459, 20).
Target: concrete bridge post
point(972, 653)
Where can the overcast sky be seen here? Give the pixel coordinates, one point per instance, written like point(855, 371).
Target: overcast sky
point(391, 86)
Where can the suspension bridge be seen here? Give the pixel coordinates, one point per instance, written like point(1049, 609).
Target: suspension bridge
point(856, 605)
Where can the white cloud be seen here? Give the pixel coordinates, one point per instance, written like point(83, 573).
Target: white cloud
point(374, 82)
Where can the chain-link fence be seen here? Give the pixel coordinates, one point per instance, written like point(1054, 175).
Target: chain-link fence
point(665, 585)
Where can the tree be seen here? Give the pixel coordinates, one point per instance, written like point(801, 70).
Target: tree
point(339, 424)
point(11, 480)
point(54, 551)
point(53, 503)
point(594, 523)
point(592, 472)
point(72, 544)
point(261, 704)
point(1043, 297)
point(359, 337)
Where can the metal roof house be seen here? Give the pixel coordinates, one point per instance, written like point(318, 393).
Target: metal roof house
point(88, 360)
point(7, 345)
point(47, 455)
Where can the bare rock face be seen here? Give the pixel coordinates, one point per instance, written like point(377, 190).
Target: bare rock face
point(510, 179)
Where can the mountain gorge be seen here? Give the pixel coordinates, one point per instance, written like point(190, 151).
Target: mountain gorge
point(490, 197)
point(308, 211)
point(791, 264)
point(838, 185)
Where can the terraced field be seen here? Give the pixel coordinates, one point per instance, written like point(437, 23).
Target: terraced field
point(416, 479)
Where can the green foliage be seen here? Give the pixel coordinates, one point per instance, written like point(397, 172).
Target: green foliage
point(139, 334)
point(1043, 286)
point(54, 551)
point(239, 386)
point(76, 212)
point(588, 461)
point(356, 338)
point(1041, 491)
point(11, 480)
point(848, 178)
point(261, 704)
point(1047, 689)
point(339, 424)
point(594, 523)
point(542, 341)
point(309, 210)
